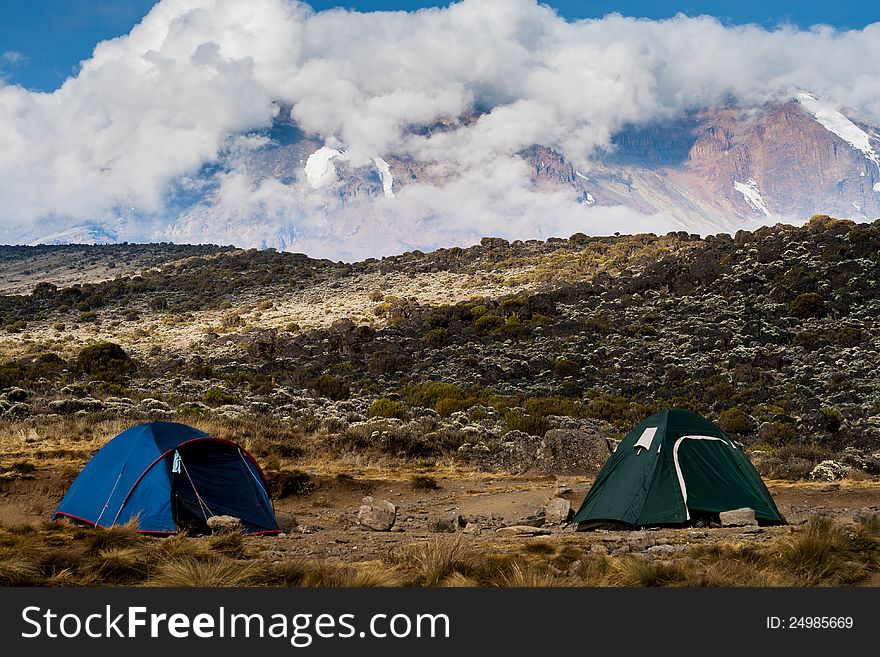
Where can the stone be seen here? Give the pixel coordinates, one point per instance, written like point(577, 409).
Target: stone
point(445, 523)
point(17, 394)
point(378, 515)
point(557, 511)
point(523, 530)
point(867, 514)
point(225, 525)
point(571, 451)
point(744, 517)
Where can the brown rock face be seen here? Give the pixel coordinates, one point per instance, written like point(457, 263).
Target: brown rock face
point(798, 166)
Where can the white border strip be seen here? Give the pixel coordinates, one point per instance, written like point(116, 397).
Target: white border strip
point(681, 483)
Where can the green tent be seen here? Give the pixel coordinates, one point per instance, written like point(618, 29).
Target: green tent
point(674, 468)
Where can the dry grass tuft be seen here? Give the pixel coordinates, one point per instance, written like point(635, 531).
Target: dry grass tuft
point(192, 572)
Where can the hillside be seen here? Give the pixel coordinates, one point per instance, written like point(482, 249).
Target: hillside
point(475, 352)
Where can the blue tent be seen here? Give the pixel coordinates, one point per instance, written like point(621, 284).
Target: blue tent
point(169, 476)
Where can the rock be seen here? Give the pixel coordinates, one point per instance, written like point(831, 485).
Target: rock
point(17, 394)
point(867, 514)
point(225, 525)
point(153, 404)
point(557, 511)
point(70, 406)
point(536, 520)
point(523, 530)
point(16, 411)
point(664, 549)
point(829, 471)
point(378, 515)
point(744, 517)
point(446, 523)
point(571, 451)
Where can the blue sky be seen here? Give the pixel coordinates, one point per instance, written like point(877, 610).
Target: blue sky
point(42, 41)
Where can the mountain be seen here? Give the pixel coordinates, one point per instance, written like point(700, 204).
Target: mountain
point(707, 171)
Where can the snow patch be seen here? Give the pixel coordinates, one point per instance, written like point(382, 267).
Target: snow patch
point(749, 190)
point(320, 170)
point(580, 175)
point(387, 178)
point(833, 121)
point(877, 186)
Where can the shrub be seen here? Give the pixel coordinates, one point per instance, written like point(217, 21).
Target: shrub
point(512, 306)
point(512, 328)
point(387, 408)
point(544, 406)
point(219, 397)
point(565, 367)
point(449, 405)
point(735, 420)
point(807, 305)
point(105, 360)
point(428, 394)
point(777, 433)
point(330, 387)
point(488, 323)
point(384, 362)
point(531, 424)
point(435, 338)
point(423, 482)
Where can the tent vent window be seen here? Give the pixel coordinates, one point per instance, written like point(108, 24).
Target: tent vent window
point(646, 439)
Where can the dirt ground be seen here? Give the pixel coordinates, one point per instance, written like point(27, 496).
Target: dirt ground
point(323, 523)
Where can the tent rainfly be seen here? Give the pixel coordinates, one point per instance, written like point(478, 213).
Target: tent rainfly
point(169, 476)
point(671, 469)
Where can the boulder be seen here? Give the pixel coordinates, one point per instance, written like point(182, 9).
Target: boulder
point(867, 514)
point(17, 394)
point(446, 523)
point(572, 451)
point(378, 515)
point(70, 406)
point(557, 511)
point(744, 517)
point(225, 525)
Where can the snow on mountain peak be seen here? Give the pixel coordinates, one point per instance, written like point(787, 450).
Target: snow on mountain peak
point(833, 121)
point(749, 190)
point(387, 177)
point(319, 169)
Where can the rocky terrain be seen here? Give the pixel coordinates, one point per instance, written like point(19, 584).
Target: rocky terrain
point(465, 391)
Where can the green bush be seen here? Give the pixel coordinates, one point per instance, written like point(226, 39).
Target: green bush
point(428, 394)
point(565, 367)
point(735, 420)
point(435, 338)
point(543, 406)
point(105, 360)
point(330, 387)
point(387, 408)
point(531, 424)
point(807, 305)
point(449, 405)
point(219, 397)
point(512, 306)
point(488, 323)
point(511, 329)
point(777, 434)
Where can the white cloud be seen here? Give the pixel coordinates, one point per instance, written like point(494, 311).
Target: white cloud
point(152, 106)
point(13, 58)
